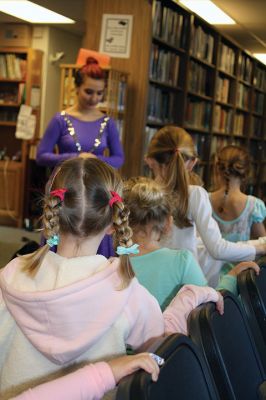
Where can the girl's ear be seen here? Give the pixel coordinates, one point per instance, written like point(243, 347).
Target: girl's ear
point(150, 162)
point(168, 224)
point(190, 164)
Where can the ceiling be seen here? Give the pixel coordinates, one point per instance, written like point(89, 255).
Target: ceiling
point(250, 31)
point(73, 9)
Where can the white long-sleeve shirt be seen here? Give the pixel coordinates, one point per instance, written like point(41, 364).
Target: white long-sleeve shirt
point(200, 215)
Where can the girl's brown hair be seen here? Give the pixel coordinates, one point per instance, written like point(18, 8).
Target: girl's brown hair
point(171, 146)
point(231, 162)
point(149, 204)
point(85, 210)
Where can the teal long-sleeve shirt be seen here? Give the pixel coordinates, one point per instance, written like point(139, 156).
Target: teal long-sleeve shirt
point(164, 271)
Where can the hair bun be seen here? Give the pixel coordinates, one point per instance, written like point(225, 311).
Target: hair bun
point(91, 60)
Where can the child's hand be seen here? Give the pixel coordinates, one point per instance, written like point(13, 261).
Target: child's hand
point(126, 365)
point(220, 303)
point(243, 266)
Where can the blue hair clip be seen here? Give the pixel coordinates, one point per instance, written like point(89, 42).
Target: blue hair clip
point(127, 250)
point(53, 241)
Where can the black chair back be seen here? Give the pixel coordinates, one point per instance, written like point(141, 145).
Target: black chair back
point(229, 348)
point(252, 290)
point(184, 375)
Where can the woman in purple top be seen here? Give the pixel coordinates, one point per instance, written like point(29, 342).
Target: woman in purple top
point(83, 130)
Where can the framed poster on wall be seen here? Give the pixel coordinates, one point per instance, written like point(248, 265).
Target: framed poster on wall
point(116, 35)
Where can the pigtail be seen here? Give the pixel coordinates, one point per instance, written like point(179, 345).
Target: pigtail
point(123, 237)
point(32, 262)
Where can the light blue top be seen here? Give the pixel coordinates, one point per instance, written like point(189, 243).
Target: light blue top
point(164, 271)
point(239, 229)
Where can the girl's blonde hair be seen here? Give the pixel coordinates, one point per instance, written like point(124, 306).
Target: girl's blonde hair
point(231, 162)
point(85, 210)
point(171, 147)
point(149, 204)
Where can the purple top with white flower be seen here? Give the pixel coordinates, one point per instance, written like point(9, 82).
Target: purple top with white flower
point(86, 131)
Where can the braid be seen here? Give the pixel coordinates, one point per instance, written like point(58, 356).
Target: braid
point(226, 175)
point(50, 217)
point(122, 237)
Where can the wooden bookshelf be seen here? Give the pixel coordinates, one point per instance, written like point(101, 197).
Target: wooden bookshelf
point(203, 81)
point(114, 102)
point(20, 78)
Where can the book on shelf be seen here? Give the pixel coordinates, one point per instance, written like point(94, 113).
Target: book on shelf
point(222, 120)
point(256, 127)
point(259, 78)
point(120, 127)
point(160, 105)
point(222, 89)
point(12, 67)
point(244, 67)
point(164, 65)
point(258, 102)
point(202, 44)
point(256, 150)
point(243, 96)
point(167, 24)
point(200, 144)
point(217, 143)
point(239, 124)
point(198, 114)
point(227, 59)
point(199, 80)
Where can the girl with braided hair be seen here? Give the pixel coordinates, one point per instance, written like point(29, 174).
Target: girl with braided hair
point(171, 156)
point(239, 216)
point(161, 270)
point(64, 309)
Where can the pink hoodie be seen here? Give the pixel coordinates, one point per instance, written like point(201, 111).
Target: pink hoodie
point(73, 312)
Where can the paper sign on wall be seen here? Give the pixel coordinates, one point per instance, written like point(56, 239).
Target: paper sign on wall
point(26, 123)
point(116, 35)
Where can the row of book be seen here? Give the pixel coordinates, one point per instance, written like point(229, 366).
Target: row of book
point(259, 78)
point(223, 89)
point(239, 124)
point(256, 127)
point(244, 68)
point(217, 143)
point(199, 79)
point(12, 67)
point(222, 120)
point(8, 115)
point(200, 144)
point(160, 105)
point(168, 24)
point(13, 94)
point(227, 59)
point(202, 44)
point(164, 66)
point(198, 114)
point(258, 102)
point(243, 96)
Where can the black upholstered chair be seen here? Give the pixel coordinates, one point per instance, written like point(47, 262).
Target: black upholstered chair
point(229, 348)
point(184, 376)
point(252, 290)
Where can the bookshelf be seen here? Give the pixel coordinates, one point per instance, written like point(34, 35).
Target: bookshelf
point(204, 82)
point(20, 80)
point(114, 102)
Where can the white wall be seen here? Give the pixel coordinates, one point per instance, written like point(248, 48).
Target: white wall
point(52, 40)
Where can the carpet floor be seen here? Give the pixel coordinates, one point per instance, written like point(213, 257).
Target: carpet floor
point(11, 240)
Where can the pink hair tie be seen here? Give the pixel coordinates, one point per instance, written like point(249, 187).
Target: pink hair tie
point(59, 193)
point(115, 198)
